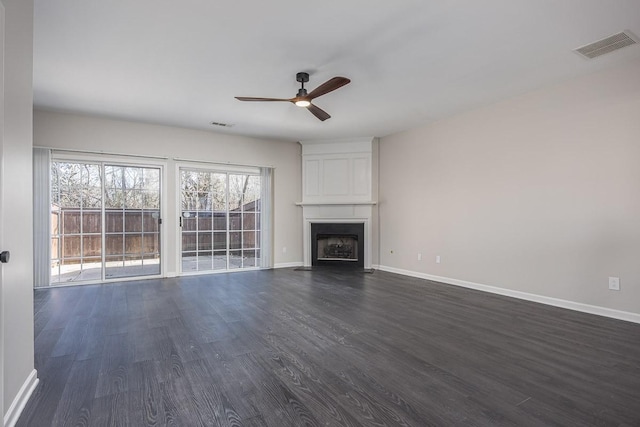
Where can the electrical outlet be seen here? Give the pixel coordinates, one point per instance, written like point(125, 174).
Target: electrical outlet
point(437, 259)
point(614, 283)
point(419, 257)
point(284, 249)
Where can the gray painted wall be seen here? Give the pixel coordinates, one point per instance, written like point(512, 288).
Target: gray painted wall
point(537, 194)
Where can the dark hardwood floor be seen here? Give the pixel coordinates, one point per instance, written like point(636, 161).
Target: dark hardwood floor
point(324, 348)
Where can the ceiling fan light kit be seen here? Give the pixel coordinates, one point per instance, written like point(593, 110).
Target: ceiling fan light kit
point(303, 99)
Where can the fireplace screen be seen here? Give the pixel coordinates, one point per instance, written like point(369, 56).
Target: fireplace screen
point(334, 244)
point(337, 247)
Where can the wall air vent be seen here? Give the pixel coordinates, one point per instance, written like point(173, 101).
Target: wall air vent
point(224, 125)
point(606, 45)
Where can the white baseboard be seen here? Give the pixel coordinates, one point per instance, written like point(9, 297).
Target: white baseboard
point(571, 305)
point(14, 411)
point(288, 264)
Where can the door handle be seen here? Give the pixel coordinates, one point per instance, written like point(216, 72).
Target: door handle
point(4, 256)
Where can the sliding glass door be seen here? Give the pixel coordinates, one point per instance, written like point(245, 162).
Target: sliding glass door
point(220, 220)
point(132, 221)
point(105, 221)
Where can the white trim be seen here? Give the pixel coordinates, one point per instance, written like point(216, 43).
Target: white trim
point(214, 272)
point(107, 158)
point(337, 146)
point(55, 150)
point(312, 217)
point(177, 207)
point(232, 166)
point(101, 282)
point(335, 203)
point(18, 404)
point(2, 296)
point(556, 302)
point(288, 264)
point(341, 141)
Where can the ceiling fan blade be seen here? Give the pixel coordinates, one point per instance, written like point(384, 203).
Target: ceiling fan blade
point(245, 98)
point(318, 112)
point(328, 86)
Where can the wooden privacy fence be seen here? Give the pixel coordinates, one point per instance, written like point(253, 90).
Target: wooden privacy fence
point(207, 231)
point(76, 234)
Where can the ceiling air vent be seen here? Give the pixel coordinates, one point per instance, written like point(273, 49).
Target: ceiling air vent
point(606, 45)
point(224, 125)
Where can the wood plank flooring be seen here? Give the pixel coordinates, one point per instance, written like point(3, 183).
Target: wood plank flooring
point(324, 348)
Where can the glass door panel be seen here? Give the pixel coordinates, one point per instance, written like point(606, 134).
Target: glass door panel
point(202, 195)
point(132, 214)
point(244, 218)
point(76, 222)
point(220, 220)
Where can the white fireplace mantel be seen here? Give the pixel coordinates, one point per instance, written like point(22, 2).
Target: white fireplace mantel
point(339, 186)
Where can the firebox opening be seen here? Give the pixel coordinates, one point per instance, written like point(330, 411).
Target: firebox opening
point(337, 247)
point(337, 244)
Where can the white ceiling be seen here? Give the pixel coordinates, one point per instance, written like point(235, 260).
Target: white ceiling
point(410, 61)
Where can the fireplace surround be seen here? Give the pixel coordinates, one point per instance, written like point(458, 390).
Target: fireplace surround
point(339, 189)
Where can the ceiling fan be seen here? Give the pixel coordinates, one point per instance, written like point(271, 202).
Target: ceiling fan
point(303, 99)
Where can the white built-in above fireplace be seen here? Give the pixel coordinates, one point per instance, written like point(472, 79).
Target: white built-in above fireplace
point(339, 186)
